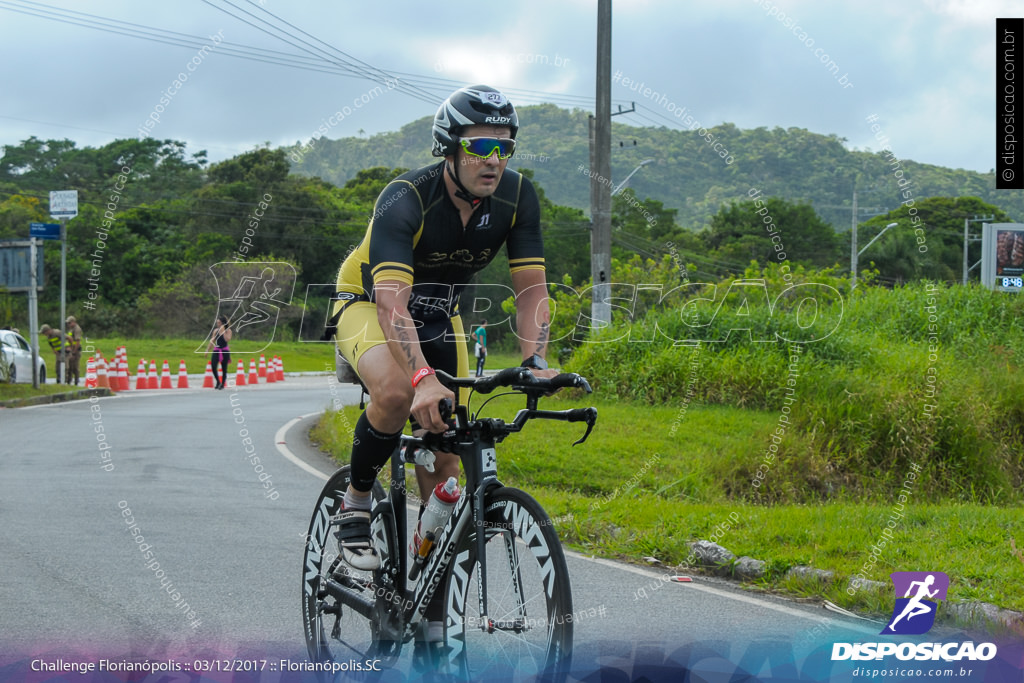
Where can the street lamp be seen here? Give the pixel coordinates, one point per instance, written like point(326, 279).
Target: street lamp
point(854, 253)
point(623, 183)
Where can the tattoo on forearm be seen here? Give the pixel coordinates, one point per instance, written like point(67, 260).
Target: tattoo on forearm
point(542, 339)
point(402, 335)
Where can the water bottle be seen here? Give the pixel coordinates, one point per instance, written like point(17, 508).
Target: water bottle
point(435, 516)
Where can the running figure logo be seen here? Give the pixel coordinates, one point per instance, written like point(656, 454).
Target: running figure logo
point(251, 295)
point(914, 613)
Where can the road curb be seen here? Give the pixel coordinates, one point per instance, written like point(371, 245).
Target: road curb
point(55, 398)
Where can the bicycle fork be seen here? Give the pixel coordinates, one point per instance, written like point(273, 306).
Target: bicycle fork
point(481, 469)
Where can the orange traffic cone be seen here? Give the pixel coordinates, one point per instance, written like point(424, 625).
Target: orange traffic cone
point(151, 381)
point(240, 374)
point(182, 375)
point(280, 368)
point(102, 379)
point(115, 362)
point(140, 375)
point(122, 371)
point(90, 373)
point(208, 377)
point(263, 366)
point(165, 376)
point(254, 377)
point(115, 383)
point(271, 372)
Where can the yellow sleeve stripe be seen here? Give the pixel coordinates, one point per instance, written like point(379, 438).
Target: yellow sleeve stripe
point(398, 275)
point(390, 270)
point(516, 269)
point(533, 262)
point(391, 265)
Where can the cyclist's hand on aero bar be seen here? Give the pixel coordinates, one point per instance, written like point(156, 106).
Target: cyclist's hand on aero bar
point(543, 374)
point(429, 393)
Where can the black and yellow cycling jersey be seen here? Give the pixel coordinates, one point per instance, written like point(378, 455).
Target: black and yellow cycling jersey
point(416, 236)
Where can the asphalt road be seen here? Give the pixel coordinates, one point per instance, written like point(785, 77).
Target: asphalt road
point(78, 584)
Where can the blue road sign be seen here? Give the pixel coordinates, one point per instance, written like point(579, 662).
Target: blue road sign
point(46, 231)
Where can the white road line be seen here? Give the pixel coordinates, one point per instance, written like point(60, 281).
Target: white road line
point(718, 592)
point(282, 447)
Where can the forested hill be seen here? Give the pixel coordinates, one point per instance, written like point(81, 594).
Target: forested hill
point(688, 175)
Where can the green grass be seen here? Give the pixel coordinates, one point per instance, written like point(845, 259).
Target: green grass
point(651, 479)
point(970, 543)
point(8, 391)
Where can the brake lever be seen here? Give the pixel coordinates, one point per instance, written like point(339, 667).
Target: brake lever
point(591, 421)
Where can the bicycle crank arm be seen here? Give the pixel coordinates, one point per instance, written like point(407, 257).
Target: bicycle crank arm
point(343, 595)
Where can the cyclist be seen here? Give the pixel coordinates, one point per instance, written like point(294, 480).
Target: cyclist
point(396, 313)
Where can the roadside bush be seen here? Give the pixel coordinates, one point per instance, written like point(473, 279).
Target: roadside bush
point(921, 374)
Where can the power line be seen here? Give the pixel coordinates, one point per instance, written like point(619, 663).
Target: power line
point(430, 89)
point(367, 72)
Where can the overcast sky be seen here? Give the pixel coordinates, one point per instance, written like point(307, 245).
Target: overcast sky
point(924, 67)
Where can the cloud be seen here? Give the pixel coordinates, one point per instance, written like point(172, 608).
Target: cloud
point(975, 11)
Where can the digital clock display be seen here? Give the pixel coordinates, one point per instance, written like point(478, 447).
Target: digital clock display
point(1012, 282)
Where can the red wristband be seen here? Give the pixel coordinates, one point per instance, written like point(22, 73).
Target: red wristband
point(420, 374)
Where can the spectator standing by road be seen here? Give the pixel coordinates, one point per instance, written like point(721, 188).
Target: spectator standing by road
point(221, 352)
point(480, 337)
point(74, 350)
point(58, 345)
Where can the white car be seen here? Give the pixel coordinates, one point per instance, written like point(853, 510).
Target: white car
point(16, 359)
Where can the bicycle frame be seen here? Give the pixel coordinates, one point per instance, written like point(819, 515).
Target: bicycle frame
point(479, 461)
point(397, 617)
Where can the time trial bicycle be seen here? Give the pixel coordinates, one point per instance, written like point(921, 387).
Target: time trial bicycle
point(497, 563)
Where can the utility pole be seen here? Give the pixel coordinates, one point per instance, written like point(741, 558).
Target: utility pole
point(62, 363)
point(601, 170)
point(33, 313)
point(853, 246)
point(966, 225)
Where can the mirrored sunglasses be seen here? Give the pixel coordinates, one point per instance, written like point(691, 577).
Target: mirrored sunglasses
point(485, 147)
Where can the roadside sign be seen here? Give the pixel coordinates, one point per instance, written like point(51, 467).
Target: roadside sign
point(46, 231)
point(64, 203)
point(16, 266)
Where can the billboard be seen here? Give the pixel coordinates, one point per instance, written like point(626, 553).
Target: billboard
point(1002, 258)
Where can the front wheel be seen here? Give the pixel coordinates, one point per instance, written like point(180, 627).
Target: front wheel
point(345, 611)
point(527, 627)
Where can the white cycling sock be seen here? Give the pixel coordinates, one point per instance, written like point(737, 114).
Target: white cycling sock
point(353, 502)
